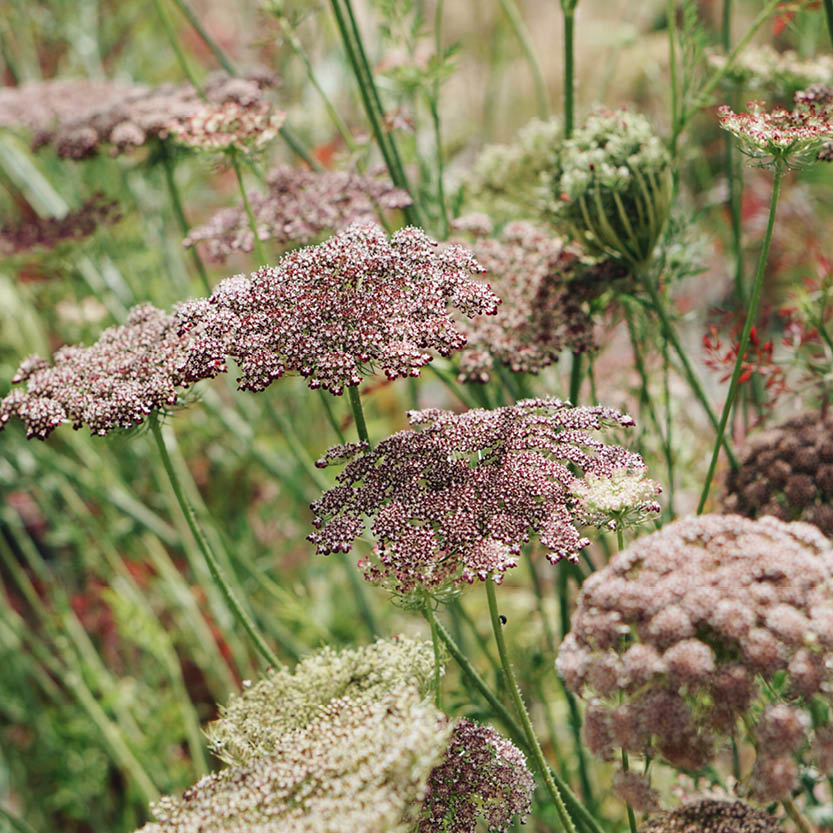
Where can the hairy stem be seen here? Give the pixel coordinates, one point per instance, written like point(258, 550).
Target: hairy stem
point(751, 313)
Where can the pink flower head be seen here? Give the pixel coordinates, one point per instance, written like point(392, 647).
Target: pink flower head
point(455, 499)
point(336, 311)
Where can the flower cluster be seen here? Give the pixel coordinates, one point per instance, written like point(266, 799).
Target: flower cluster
point(544, 290)
point(791, 137)
point(456, 499)
point(787, 471)
point(611, 186)
point(623, 499)
point(671, 640)
point(253, 724)
point(299, 206)
point(355, 766)
point(49, 232)
point(484, 775)
point(708, 815)
point(129, 372)
point(79, 118)
point(508, 180)
point(783, 72)
point(228, 125)
point(336, 311)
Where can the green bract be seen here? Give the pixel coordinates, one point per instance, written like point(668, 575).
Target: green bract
point(611, 186)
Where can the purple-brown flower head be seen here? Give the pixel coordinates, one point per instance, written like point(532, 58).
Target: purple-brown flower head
point(299, 206)
point(337, 311)
point(670, 641)
point(49, 232)
point(455, 498)
point(708, 815)
point(544, 289)
point(484, 776)
point(128, 373)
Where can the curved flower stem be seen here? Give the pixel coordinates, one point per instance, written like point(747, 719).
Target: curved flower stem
point(435, 641)
point(751, 313)
point(587, 821)
point(213, 565)
point(532, 741)
point(671, 335)
point(358, 413)
point(235, 163)
point(795, 814)
point(516, 22)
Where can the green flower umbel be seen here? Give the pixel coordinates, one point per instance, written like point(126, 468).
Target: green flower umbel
point(611, 186)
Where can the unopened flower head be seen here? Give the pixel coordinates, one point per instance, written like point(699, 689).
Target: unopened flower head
point(484, 776)
point(131, 371)
point(455, 499)
point(787, 471)
point(545, 291)
point(509, 181)
point(253, 724)
point(763, 67)
point(708, 815)
point(48, 232)
point(358, 765)
point(611, 186)
point(337, 311)
point(228, 126)
point(789, 137)
point(672, 639)
point(627, 498)
point(299, 206)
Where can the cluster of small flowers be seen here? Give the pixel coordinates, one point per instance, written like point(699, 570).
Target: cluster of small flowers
point(783, 72)
point(358, 748)
point(787, 471)
point(544, 289)
point(116, 383)
point(508, 181)
point(790, 136)
point(708, 815)
point(299, 206)
point(252, 724)
point(610, 186)
point(671, 638)
point(79, 117)
point(332, 312)
point(456, 500)
point(228, 125)
point(49, 232)
point(621, 500)
point(483, 776)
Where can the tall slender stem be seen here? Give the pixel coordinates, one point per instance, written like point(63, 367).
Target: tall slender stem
point(828, 13)
point(516, 21)
point(235, 163)
point(751, 313)
point(428, 610)
point(434, 107)
point(358, 413)
point(205, 549)
point(168, 26)
point(575, 378)
point(532, 740)
point(671, 11)
point(568, 7)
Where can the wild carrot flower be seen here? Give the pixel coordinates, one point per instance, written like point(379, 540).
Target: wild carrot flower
point(46, 233)
point(611, 186)
point(620, 500)
point(544, 289)
point(791, 137)
point(671, 640)
point(129, 372)
point(336, 311)
point(299, 206)
point(455, 499)
point(787, 471)
point(355, 766)
point(763, 67)
point(707, 815)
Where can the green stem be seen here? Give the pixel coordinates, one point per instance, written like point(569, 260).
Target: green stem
point(235, 163)
point(205, 549)
point(457, 389)
point(516, 22)
point(751, 313)
point(620, 537)
point(179, 213)
point(795, 814)
point(671, 11)
point(726, 25)
point(358, 413)
point(828, 13)
point(568, 8)
point(168, 26)
point(532, 740)
point(575, 378)
point(631, 817)
point(18, 824)
point(428, 610)
point(671, 335)
point(328, 409)
point(433, 106)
